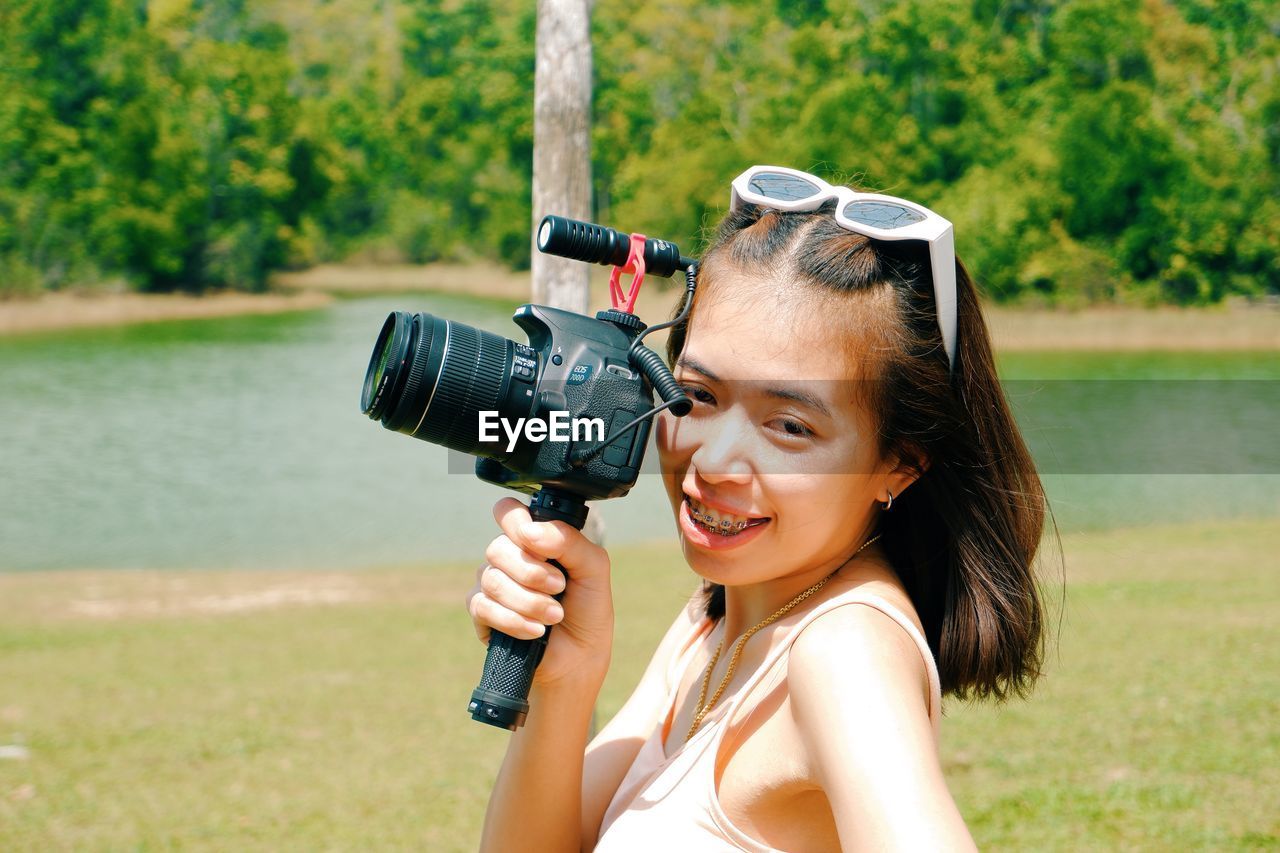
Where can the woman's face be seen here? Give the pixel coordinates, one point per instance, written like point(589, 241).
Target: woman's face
point(776, 471)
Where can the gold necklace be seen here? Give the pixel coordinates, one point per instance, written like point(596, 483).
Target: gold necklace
point(704, 707)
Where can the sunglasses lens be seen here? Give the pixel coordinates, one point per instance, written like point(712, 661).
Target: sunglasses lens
point(781, 187)
point(882, 214)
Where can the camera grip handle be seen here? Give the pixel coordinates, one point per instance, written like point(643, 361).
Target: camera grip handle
point(502, 697)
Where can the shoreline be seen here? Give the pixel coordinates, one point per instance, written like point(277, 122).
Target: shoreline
point(1124, 329)
point(110, 594)
point(52, 312)
point(1098, 328)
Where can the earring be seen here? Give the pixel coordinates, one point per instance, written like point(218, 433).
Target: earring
point(888, 505)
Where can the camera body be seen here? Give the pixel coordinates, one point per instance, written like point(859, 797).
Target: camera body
point(568, 412)
point(576, 372)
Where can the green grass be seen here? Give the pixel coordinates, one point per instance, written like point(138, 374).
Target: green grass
point(1155, 726)
point(156, 715)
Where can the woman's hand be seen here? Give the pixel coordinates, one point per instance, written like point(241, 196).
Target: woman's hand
point(514, 593)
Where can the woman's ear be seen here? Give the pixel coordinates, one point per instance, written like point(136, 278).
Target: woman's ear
point(903, 469)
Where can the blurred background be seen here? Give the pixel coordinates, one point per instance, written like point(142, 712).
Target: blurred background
point(1086, 151)
point(230, 606)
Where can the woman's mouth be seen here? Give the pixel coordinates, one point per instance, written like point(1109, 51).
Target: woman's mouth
point(717, 522)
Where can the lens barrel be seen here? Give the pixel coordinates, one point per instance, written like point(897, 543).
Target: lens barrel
point(430, 378)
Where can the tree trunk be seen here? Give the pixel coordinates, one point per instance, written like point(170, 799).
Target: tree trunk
point(562, 142)
point(562, 160)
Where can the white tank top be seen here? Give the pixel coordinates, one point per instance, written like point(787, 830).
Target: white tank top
point(671, 803)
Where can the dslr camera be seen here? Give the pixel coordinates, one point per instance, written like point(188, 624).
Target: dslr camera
point(564, 418)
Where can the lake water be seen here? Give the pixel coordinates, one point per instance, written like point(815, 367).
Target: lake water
point(239, 443)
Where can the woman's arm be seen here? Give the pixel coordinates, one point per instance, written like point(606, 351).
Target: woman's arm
point(548, 751)
point(859, 697)
point(536, 800)
point(549, 795)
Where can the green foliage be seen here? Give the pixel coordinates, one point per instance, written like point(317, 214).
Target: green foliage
point(155, 144)
point(1087, 150)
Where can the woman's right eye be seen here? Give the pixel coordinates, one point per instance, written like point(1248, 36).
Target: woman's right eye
point(700, 395)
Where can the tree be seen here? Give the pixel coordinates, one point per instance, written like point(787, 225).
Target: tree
point(562, 142)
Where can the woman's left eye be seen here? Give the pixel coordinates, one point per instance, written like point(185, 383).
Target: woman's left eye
point(794, 428)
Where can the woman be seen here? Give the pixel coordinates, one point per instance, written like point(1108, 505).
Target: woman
point(853, 492)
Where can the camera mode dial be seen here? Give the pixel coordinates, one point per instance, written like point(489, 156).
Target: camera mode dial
point(621, 318)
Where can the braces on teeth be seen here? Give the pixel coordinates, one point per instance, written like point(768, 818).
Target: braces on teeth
point(724, 528)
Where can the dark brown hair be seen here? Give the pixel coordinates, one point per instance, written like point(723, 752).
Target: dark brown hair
point(963, 538)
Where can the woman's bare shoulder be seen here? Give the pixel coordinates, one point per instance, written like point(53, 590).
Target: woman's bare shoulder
point(859, 697)
point(862, 648)
point(876, 580)
point(859, 642)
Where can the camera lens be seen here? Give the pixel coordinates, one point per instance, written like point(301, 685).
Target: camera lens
point(382, 381)
point(430, 378)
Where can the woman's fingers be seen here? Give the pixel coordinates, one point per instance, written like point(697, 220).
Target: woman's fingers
point(555, 540)
point(514, 589)
point(487, 614)
point(524, 568)
point(509, 512)
point(499, 587)
point(550, 540)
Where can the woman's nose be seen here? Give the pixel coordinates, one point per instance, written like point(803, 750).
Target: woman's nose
point(722, 450)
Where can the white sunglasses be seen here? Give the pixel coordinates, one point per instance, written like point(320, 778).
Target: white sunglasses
point(882, 217)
